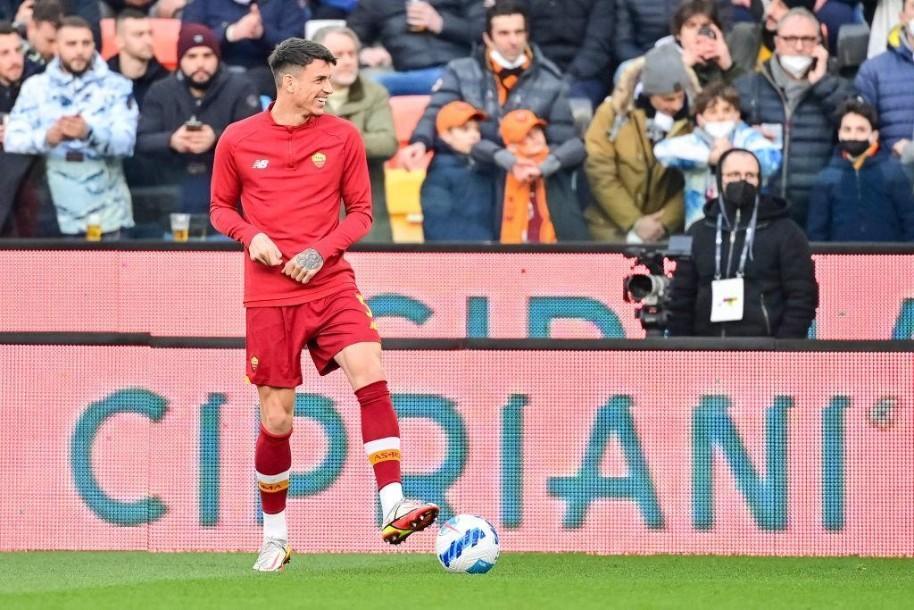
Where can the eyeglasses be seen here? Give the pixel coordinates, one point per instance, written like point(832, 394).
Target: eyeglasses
point(733, 176)
point(807, 41)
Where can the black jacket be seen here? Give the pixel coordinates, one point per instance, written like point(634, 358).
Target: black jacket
point(384, 22)
point(154, 72)
point(780, 283)
point(576, 35)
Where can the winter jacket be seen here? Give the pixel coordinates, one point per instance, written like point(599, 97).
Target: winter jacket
point(887, 82)
point(384, 22)
point(169, 104)
point(807, 137)
point(873, 204)
point(368, 107)
point(458, 199)
point(626, 181)
point(576, 35)
point(154, 72)
point(689, 154)
point(281, 19)
point(781, 293)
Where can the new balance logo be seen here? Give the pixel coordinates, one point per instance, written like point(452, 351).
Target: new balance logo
point(261, 164)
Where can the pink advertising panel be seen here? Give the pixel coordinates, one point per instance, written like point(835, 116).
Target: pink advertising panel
point(414, 294)
point(597, 451)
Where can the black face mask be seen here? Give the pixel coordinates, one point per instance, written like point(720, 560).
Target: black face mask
point(854, 148)
point(741, 194)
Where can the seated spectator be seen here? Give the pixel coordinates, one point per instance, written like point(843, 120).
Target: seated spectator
point(458, 195)
point(636, 199)
point(41, 32)
point(332, 9)
point(248, 31)
point(752, 44)
point(538, 205)
point(185, 113)
point(416, 37)
point(641, 23)
point(505, 75)
point(83, 137)
point(719, 129)
point(577, 36)
point(723, 290)
point(793, 100)
point(366, 104)
point(135, 57)
point(697, 29)
point(864, 194)
point(887, 83)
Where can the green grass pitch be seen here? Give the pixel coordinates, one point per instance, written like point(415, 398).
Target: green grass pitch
point(400, 581)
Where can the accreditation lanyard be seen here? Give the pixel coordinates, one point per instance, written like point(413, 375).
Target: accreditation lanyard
point(747, 244)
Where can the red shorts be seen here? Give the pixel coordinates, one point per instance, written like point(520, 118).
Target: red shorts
point(276, 336)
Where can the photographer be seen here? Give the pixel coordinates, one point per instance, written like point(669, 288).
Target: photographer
point(751, 273)
point(184, 115)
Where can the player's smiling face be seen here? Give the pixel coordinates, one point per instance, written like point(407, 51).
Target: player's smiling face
point(312, 87)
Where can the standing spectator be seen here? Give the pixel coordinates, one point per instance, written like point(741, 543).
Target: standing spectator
point(577, 36)
point(82, 117)
point(698, 31)
point(185, 114)
point(887, 83)
point(864, 194)
point(636, 199)
point(416, 37)
point(135, 57)
point(751, 272)
point(248, 31)
point(458, 195)
point(366, 104)
point(793, 100)
point(752, 44)
point(41, 32)
point(641, 23)
point(719, 129)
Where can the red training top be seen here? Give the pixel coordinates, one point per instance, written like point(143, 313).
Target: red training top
point(290, 181)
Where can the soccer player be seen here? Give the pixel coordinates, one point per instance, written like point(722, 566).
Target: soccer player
point(291, 166)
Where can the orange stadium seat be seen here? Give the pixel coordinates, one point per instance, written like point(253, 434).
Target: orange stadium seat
point(401, 186)
point(164, 36)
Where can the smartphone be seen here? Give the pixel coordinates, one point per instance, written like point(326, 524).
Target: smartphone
point(707, 32)
point(193, 124)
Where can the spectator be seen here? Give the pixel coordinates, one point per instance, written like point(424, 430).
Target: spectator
point(576, 35)
point(506, 75)
point(538, 205)
point(83, 137)
point(752, 44)
point(864, 194)
point(185, 114)
point(41, 32)
point(719, 129)
point(135, 58)
point(332, 9)
point(697, 29)
point(751, 272)
point(635, 199)
point(417, 38)
point(793, 100)
point(458, 195)
point(887, 82)
point(366, 104)
point(248, 31)
point(641, 23)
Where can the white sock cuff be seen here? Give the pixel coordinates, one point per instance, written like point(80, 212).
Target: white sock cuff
point(273, 478)
point(382, 444)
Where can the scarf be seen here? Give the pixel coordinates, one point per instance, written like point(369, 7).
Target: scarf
point(507, 78)
point(525, 217)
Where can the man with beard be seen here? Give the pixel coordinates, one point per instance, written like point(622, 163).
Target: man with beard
point(184, 115)
point(82, 117)
point(135, 57)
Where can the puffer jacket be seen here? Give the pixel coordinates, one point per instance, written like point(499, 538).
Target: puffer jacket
point(887, 82)
point(575, 34)
point(781, 293)
point(384, 22)
point(458, 199)
point(808, 137)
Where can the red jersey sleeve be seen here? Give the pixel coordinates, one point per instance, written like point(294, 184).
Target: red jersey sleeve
point(226, 193)
point(356, 192)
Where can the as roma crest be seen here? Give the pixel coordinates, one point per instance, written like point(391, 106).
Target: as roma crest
point(319, 159)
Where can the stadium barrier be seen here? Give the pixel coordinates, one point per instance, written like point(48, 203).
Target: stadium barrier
point(614, 446)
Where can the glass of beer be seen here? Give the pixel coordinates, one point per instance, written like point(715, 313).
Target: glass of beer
point(180, 227)
point(94, 227)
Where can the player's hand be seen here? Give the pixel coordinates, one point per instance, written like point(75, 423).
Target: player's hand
point(411, 156)
point(304, 266)
point(263, 250)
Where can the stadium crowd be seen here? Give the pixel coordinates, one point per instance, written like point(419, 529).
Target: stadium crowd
point(512, 121)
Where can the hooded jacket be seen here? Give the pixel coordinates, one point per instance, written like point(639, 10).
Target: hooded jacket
point(887, 82)
point(781, 293)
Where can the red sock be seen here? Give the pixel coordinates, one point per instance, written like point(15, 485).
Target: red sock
point(273, 460)
point(380, 432)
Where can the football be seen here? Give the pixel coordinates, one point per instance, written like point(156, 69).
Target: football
point(468, 544)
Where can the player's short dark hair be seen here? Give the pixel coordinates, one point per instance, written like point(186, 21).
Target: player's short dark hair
point(6, 28)
point(297, 53)
point(48, 11)
point(692, 8)
point(74, 21)
point(502, 8)
point(859, 106)
point(717, 90)
point(130, 13)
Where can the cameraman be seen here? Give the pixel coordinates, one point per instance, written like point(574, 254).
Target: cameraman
point(751, 273)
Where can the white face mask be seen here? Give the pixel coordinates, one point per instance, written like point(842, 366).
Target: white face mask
point(719, 130)
point(795, 65)
point(505, 63)
point(663, 122)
